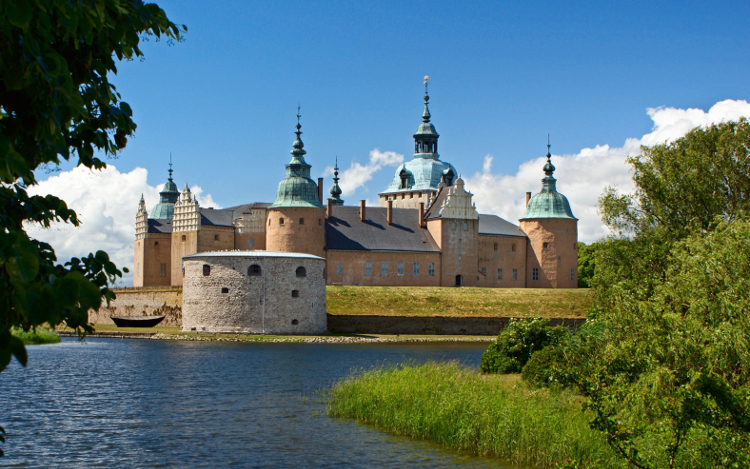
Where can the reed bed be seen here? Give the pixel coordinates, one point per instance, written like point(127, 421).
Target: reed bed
point(488, 415)
point(36, 337)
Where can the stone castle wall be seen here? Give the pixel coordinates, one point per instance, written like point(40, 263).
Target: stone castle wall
point(148, 301)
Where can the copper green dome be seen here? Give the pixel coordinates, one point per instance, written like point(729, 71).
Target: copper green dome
point(297, 189)
point(548, 203)
point(167, 198)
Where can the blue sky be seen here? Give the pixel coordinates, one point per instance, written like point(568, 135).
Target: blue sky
point(601, 77)
point(504, 74)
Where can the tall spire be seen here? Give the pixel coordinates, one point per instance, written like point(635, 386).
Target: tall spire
point(336, 190)
point(170, 166)
point(298, 151)
point(426, 114)
point(549, 183)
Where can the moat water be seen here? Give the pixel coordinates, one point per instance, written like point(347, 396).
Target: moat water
point(148, 403)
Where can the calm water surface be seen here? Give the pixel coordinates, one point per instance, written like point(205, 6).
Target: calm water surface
point(148, 403)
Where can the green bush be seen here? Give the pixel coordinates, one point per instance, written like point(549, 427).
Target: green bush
point(517, 342)
point(545, 366)
point(37, 336)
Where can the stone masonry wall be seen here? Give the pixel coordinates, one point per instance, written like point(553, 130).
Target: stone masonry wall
point(147, 301)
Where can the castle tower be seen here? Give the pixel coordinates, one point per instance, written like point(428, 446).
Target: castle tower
point(336, 190)
point(296, 218)
point(186, 229)
point(152, 260)
point(552, 256)
point(453, 222)
point(417, 180)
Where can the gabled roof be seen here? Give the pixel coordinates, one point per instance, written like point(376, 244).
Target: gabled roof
point(344, 230)
point(494, 225)
point(434, 210)
point(225, 216)
point(159, 225)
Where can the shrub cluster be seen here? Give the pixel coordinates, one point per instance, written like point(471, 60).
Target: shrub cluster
point(517, 342)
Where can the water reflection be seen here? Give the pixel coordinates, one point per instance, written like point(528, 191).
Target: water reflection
point(146, 403)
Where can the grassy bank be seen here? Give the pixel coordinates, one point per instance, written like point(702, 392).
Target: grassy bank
point(38, 337)
point(464, 410)
point(461, 302)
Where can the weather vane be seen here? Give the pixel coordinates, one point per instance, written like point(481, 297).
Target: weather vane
point(426, 82)
point(298, 114)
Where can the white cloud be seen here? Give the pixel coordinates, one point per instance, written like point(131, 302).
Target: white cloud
point(357, 175)
point(582, 177)
point(106, 203)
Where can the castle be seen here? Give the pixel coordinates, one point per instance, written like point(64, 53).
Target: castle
point(426, 231)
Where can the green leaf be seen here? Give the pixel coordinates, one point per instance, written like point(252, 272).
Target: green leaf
point(18, 13)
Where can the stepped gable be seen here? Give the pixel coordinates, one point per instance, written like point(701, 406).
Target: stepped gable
point(345, 231)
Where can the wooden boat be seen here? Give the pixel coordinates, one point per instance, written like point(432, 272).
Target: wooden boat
point(137, 321)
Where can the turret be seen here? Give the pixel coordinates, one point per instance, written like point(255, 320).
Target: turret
point(168, 196)
point(296, 219)
point(552, 257)
point(336, 190)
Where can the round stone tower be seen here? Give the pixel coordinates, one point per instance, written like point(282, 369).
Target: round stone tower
point(296, 220)
point(552, 257)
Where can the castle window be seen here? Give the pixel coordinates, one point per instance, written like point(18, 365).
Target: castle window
point(494, 247)
point(400, 269)
point(559, 259)
point(320, 222)
point(368, 268)
point(404, 179)
point(513, 248)
point(572, 275)
point(384, 269)
point(484, 271)
point(216, 237)
point(294, 322)
point(301, 221)
point(250, 242)
point(575, 247)
point(415, 269)
point(535, 273)
point(339, 269)
point(301, 272)
point(156, 243)
point(466, 226)
point(184, 238)
point(281, 222)
point(254, 270)
point(206, 270)
point(515, 274)
point(499, 274)
point(545, 245)
point(224, 290)
point(295, 293)
point(453, 226)
point(163, 269)
point(431, 269)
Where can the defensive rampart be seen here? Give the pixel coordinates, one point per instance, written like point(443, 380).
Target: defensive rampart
point(146, 301)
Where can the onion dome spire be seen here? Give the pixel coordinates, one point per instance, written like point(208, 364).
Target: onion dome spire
point(425, 140)
point(336, 190)
point(168, 196)
point(298, 151)
point(548, 203)
point(426, 114)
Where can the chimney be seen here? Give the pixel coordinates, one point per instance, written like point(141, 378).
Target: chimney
point(390, 212)
point(329, 208)
point(421, 214)
point(320, 190)
point(362, 210)
point(528, 196)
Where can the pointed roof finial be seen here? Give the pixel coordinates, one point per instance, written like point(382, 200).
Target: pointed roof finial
point(426, 114)
point(549, 168)
point(336, 190)
point(170, 166)
point(297, 146)
point(548, 145)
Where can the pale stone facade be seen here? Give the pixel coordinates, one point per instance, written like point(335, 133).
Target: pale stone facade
point(260, 292)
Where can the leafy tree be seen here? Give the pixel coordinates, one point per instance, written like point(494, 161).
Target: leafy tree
point(663, 360)
point(517, 342)
point(586, 263)
point(56, 103)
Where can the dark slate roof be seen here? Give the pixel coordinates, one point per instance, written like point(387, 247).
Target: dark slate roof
point(344, 230)
point(159, 225)
point(225, 216)
point(433, 211)
point(494, 225)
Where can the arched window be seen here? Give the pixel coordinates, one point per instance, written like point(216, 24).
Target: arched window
point(301, 272)
point(295, 293)
point(494, 247)
point(253, 270)
point(281, 222)
point(513, 248)
point(448, 177)
point(184, 237)
point(404, 179)
point(301, 221)
point(206, 270)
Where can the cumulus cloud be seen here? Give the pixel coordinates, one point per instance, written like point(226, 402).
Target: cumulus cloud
point(106, 203)
point(357, 175)
point(583, 176)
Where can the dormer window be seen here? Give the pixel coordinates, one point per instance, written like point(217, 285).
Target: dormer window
point(404, 179)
